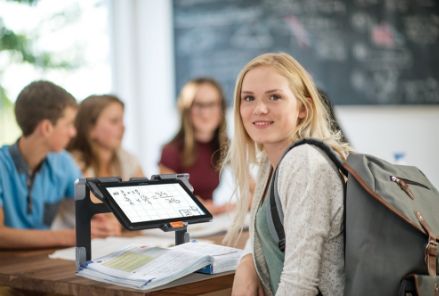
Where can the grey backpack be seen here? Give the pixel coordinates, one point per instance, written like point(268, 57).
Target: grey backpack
point(391, 226)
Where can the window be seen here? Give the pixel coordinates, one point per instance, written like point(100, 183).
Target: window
point(70, 42)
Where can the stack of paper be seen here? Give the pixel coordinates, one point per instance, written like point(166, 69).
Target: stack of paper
point(103, 246)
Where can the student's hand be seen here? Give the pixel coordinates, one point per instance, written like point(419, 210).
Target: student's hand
point(103, 225)
point(246, 281)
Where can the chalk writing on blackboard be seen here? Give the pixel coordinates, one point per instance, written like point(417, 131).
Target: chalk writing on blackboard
point(358, 51)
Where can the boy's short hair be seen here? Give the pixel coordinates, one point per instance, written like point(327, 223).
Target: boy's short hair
point(41, 100)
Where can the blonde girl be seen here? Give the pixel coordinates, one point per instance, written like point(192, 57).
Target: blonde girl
point(276, 104)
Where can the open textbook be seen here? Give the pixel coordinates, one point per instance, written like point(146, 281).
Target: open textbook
point(140, 267)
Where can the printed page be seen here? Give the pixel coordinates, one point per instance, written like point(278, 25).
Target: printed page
point(224, 258)
point(206, 249)
point(142, 267)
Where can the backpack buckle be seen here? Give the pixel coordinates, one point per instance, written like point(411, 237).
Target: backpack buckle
point(431, 247)
point(431, 254)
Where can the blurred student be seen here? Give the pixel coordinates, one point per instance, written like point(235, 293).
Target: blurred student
point(36, 174)
point(277, 104)
point(97, 146)
point(198, 145)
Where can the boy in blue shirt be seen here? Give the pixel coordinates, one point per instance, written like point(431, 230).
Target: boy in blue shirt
point(36, 174)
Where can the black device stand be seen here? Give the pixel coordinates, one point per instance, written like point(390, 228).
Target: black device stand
point(85, 209)
point(180, 228)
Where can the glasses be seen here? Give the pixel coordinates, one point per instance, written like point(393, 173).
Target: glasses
point(198, 106)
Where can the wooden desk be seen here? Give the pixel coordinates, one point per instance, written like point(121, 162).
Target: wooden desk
point(34, 271)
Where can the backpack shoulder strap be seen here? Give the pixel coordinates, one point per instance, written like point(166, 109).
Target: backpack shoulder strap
point(276, 215)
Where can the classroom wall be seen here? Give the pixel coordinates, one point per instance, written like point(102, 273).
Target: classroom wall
point(143, 75)
point(382, 131)
point(144, 78)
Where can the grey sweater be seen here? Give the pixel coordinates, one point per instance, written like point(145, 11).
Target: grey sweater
point(311, 194)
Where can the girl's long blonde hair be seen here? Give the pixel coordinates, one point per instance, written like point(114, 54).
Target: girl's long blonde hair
point(244, 152)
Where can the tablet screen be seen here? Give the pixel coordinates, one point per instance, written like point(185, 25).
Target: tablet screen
point(150, 202)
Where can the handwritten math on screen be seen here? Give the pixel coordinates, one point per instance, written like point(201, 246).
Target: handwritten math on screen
point(157, 202)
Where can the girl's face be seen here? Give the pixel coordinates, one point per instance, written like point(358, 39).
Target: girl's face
point(109, 128)
point(268, 108)
point(206, 110)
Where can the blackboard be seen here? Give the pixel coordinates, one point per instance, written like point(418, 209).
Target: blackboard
point(360, 52)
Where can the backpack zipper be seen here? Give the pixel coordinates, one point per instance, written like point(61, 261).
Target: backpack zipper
point(414, 183)
point(403, 185)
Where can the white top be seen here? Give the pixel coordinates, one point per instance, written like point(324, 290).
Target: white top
point(311, 193)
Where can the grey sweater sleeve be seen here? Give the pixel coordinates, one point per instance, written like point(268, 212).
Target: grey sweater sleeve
point(311, 194)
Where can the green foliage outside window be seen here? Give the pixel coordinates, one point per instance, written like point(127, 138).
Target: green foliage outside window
point(18, 48)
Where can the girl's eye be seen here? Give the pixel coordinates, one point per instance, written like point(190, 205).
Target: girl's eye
point(248, 98)
point(114, 120)
point(274, 97)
